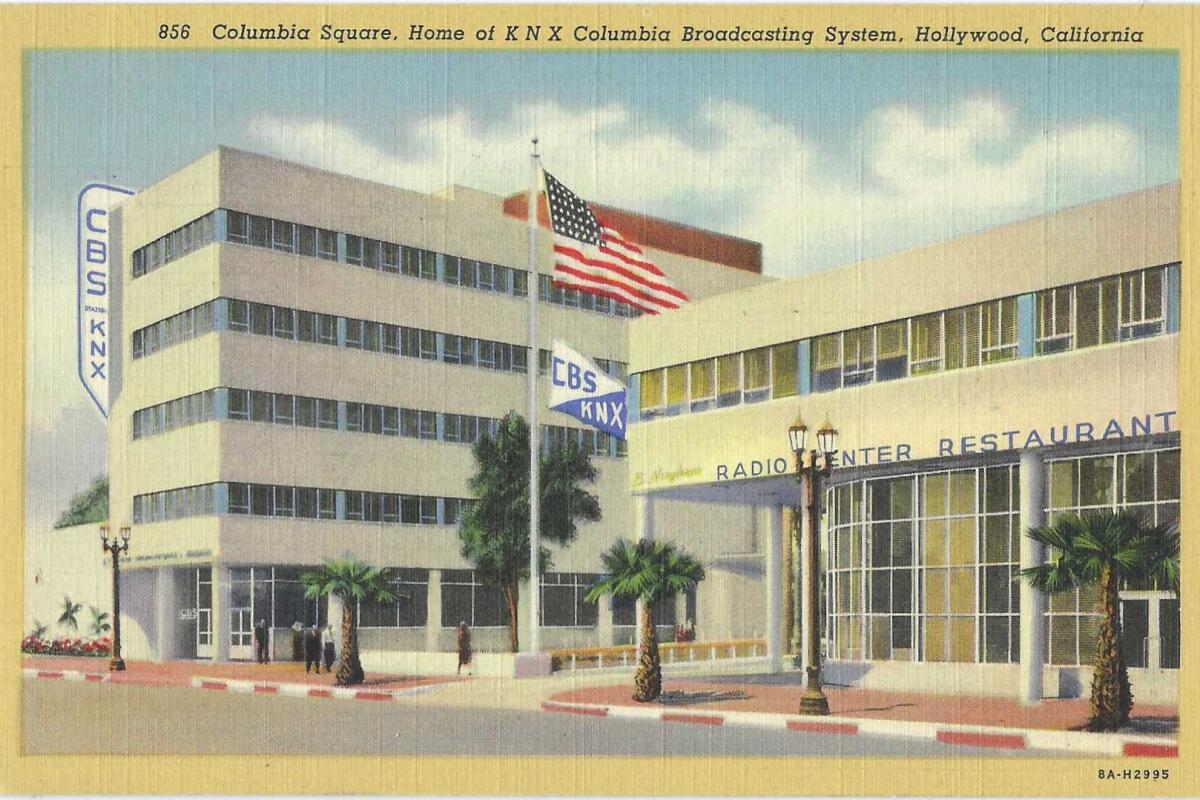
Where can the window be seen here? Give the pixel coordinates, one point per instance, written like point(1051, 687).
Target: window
point(785, 380)
point(306, 240)
point(962, 337)
point(702, 376)
point(757, 367)
point(283, 323)
point(926, 344)
point(237, 227)
point(354, 334)
point(239, 315)
point(1142, 303)
point(389, 257)
point(354, 250)
point(999, 330)
point(892, 356)
point(283, 236)
point(729, 380)
point(1054, 320)
point(306, 412)
point(676, 378)
point(858, 356)
point(827, 363)
point(650, 397)
point(327, 245)
point(327, 414)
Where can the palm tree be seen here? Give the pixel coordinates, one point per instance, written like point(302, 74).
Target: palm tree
point(1106, 549)
point(100, 624)
point(646, 571)
point(352, 581)
point(70, 615)
point(39, 630)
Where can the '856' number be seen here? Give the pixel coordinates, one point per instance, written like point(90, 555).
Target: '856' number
point(174, 31)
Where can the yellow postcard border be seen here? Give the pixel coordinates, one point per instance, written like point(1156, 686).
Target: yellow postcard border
point(31, 27)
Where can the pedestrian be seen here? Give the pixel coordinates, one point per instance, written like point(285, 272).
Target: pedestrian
point(327, 646)
point(463, 641)
point(312, 649)
point(262, 641)
point(297, 641)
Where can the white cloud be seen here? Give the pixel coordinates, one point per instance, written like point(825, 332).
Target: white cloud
point(913, 176)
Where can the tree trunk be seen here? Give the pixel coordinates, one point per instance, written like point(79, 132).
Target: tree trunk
point(1112, 697)
point(350, 671)
point(511, 596)
point(647, 681)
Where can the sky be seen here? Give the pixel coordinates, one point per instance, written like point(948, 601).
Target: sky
point(825, 158)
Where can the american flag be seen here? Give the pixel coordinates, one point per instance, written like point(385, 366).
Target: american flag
point(592, 257)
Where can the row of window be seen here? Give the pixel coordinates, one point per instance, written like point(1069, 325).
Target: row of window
point(1120, 308)
point(303, 502)
point(176, 244)
point(315, 412)
point(310, 326)
point(361, 251)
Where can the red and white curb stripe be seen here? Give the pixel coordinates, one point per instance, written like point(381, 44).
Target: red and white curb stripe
point(1078, 742)
point(307, 690)
point(65, 675)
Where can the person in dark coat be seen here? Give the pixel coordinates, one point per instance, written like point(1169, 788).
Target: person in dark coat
point(327, 650)
point(463, 642)
point(312, 649)
point(262, 641)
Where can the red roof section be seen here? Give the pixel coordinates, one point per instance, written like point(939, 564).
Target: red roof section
point(659, 234)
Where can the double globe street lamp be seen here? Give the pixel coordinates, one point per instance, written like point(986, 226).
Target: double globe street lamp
point(820, 460)
point(117, 545)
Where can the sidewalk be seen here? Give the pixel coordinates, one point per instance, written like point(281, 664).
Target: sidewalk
point(1054, 725)
point(184, 673)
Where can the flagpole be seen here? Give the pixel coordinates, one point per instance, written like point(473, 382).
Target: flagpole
point(534, 288)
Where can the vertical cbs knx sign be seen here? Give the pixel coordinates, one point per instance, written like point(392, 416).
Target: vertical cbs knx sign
point(93, 262)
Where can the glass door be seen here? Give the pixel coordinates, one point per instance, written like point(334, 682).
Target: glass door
point(203, 609)
point(241, 619)
point(1150, 630)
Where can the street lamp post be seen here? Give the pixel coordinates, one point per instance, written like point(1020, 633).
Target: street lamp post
point(116, 545)
point(814, 702)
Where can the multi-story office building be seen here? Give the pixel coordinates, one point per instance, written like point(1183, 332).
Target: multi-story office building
point(980, 386)
point(302, 363)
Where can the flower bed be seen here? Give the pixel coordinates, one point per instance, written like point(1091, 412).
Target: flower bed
point(101, 647)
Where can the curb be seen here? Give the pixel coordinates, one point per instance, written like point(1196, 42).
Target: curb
point(1074, 742)
point(305, 690)
point(239, 686)
point(65, 675)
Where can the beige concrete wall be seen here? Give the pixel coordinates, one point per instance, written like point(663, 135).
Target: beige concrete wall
point(1128, 232)
point(1092, 385)
point(65, 561)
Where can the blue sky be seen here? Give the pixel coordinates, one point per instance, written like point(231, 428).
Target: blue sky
point(824, 157)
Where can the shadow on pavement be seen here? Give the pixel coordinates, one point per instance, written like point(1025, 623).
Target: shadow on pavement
point(677, 698)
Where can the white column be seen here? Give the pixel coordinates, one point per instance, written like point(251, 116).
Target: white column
point(433, 611)
point(774, 547)
point(222, 601)
point(806, 580)
point(645, 532)
point(166, 609)
point(1033, 602)
point(524, 614)
point(333, 615)
point(604, 624)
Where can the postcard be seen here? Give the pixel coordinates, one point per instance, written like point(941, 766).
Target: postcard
point(611, 400)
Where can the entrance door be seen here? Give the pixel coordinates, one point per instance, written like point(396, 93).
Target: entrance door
point(203, 608)
point(241, 619)
point(241, 634)
point(1150, 630)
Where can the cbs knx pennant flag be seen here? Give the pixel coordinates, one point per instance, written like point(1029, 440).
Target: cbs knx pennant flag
point(580, 389)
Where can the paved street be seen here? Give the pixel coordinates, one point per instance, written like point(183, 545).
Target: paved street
point(62, 717)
